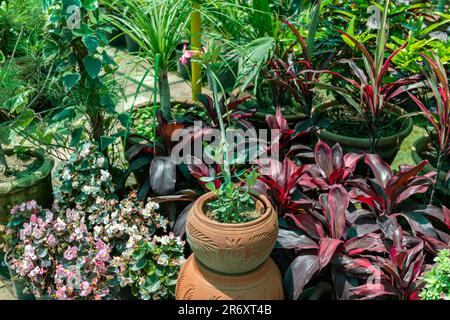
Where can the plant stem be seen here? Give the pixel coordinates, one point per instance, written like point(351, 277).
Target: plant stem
point(226, 165)
point(3, 162)
point(436, 179)
point(164, 94)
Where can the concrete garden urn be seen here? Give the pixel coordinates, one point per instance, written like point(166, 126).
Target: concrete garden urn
point(35, 185)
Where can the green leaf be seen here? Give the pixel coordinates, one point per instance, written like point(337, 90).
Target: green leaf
point(76, 137)
point(26, 118)
point(5, 132)
point(90, 4)
point(139, 265)
point(105, 142)
point(70, 80)
point(91, 44)
point(65, 114)
point(93, 66)
point(2, 57)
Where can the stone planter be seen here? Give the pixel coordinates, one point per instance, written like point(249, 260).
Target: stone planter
point(232, 248)
point(35, 186)
point(420, 145)
point(196, 282)
point(387, 147)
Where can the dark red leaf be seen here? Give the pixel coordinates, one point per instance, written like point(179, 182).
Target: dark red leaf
point(327, 248)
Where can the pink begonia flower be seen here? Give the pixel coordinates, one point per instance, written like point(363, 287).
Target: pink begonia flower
point(33, 218)
point(103, 255)
point(51, 240)
point(71, 253)
point(29, 252)
point(99, 244)
point(60, 225)
point(85, 289)
point(187, 54)
point(61, 293)
point(31, 205)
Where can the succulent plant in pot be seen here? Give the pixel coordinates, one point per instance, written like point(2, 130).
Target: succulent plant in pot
point(231, 230)
point(366, 120)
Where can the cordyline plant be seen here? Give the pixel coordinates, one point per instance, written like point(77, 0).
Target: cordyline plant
point(369, 94)
point(347, 241)
point(440, 118)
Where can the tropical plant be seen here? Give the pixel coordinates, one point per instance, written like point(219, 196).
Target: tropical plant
point(437, 280)
point(439, 119)
point(370, 93)
point(278, 70)
point(78, 47)
point(157, 27)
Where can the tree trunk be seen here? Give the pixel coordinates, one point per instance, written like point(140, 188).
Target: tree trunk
point(164, 95)
point(3, 163)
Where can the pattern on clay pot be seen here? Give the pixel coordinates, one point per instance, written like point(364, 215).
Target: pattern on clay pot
point(199, 283)
point(232, 248)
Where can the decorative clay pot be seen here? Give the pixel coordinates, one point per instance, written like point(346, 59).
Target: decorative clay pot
point(196, 282)
point(232, 248)
point(35, 186)
point(387, 147)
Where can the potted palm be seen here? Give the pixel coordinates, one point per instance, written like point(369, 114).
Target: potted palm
point(157, 28)
point(436, 146)
point(365, 120)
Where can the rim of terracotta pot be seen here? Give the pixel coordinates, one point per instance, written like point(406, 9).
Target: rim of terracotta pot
point(364, 142)
point(420, 145)
point(199, 204)
point(260, 273)
point(34, 177)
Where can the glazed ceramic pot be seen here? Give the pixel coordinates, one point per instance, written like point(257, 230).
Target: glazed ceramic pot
point(196, 282)
point(232, 248)
point(387, 147)
point(35, 186)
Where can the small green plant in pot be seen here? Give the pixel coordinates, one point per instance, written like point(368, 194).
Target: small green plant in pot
point(241, 226)
point(364, 119)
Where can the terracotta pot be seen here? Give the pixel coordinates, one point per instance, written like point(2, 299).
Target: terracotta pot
point(232, 248)
point(196, 282)
point(35, 186)
point(421, 145)
point(387, 147)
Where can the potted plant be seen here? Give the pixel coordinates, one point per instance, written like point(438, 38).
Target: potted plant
point(55, 256)
point(24, 172)
point(279, 68)
point(436, 146)
point(230, 229)
point(377, 126)
point(157, 39)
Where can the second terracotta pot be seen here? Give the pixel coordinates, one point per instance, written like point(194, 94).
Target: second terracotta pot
point(232, 248)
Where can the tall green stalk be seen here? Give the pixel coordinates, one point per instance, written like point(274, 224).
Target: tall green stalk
point(223, 142)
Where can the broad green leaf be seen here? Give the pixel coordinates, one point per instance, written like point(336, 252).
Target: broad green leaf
point(26, 118)
point(70, 80)
point(93, 66)
point(91, 44)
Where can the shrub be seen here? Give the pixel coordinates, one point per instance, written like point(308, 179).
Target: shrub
point(437, 280)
